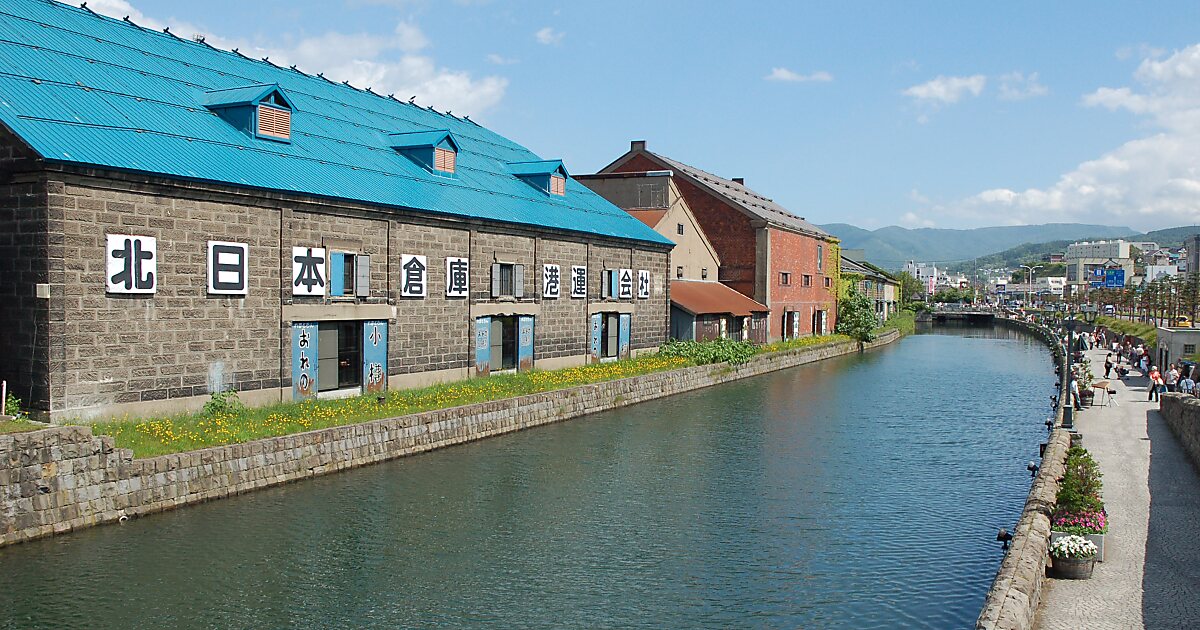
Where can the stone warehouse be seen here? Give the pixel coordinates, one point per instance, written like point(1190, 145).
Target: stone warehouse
point(177, 220)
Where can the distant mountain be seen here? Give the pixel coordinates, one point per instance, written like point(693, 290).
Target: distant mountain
point(890, 247)
point(1026, 252)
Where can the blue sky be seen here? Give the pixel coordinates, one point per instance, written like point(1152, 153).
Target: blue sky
point(945, 114)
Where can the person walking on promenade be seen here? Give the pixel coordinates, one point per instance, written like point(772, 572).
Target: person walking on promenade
point(1187, 385)
point(1108, 365)
point(1172, 378)
point(1075, 395)
point(1155, 383)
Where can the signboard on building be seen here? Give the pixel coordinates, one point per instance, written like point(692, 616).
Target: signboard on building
point(131, 263)
point(457, 278)
point(304, 360)
point(308, 271)
point(374, 375)
point(643, 287)
point(578, 282)
point(413, 274)
point(227, 268)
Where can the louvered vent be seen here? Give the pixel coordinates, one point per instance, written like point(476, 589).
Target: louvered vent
point(443, 160)
point(274, 122)
point(558, 185)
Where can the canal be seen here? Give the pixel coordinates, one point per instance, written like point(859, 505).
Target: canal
point(860, 492)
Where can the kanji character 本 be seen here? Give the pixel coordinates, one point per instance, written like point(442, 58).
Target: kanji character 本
point(551, 281)
point(414, 276)
point(307, 263)
point(131, 263)
point(578, 282)
point(457, 282)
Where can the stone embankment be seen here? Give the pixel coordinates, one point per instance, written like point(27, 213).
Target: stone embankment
point(1012, 601)
point(57, 480)
point(1182, 414)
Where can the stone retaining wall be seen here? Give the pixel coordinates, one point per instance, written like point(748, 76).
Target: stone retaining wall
point(1012, 601)
point(60, 479)
point(1182, 413)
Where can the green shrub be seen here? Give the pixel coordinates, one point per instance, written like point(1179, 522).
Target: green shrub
point(224, 403)
point(705, 352)
point(12, 405)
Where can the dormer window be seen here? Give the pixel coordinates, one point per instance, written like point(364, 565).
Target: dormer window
point(262, 110)
point(548, 175)
point(443, 160)
point(436, 151)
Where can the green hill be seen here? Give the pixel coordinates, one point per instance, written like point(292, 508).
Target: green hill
point(1169, 237)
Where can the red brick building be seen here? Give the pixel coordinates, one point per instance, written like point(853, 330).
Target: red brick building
point(766, 252)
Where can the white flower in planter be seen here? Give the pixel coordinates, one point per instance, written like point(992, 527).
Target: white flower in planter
point(1073, 547)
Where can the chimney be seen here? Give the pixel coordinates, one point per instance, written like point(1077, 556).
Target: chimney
point(637, 145)
point(740, 181)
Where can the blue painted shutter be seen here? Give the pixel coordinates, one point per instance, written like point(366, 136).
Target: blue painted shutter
point(337, 273)
point(483, 346)
point(597, 327)
point(524, 343)
point(374, 344)
point(304, 360)
point(614, 279)
point(623, 339)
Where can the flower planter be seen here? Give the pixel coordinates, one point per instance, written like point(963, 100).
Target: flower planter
point(1073, 568)
point(1096, 539)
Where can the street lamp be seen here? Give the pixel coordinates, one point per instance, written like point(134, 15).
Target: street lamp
point(1029, 280)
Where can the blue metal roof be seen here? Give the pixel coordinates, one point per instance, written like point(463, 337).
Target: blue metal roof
point(417, 139)
point(245, 95)
point(82, 88)
point(537, 167)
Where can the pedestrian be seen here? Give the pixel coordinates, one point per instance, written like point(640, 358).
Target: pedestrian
point(1075, 395)
point(1187, 385)
point(1172, 378)
point(1108, 365)
point(1155, 383)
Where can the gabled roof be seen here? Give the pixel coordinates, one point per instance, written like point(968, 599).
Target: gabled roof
point(702, 298)
point(244, 95)
point(737, 194)
point(80, 88)
point(537, 167)
point(650, 217)
point(864, 269)
point(421, 139)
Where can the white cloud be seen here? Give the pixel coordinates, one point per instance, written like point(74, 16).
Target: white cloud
point(1015, 86)
point(783, 74)
point(947, 90)
point(500, 60)
point(1146, 183)
point(388, 63)
point(1144, 51)
point(911, 219)
point(549, 36)
point(916, 196)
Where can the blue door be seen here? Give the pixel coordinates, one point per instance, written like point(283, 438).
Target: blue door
point(374, 344)
point(304, 360)
point(483, 346)
point(524, 343)
point(623, 340)
point(597, 326)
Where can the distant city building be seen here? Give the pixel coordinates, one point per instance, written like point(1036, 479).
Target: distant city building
point(1088, 262)
point(1053, 258)
point(925, 273)
point(1156, 272)
point(1192, 245)
point(875, 283)
point(1050, 285)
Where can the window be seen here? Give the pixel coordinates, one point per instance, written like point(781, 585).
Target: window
point(785, 278)
point(679, 229)
point(679, 272)
point(558, 185)
point(274, 122)
point(508, 280)
point(349, 274)
point(443, 160)
point(704, 273)
point(339, 354)
point(1189, 348)
point(829, 283)
point(820, 257)
point(807, 280)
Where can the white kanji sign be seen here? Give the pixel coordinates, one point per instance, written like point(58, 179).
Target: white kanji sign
point(457, 277)
point(643, 287)
point(551, 281)
point(131, 263)
point(308, 269)
point(413, 274)
point(625, 284)
point(228, 268)
point(578, 282)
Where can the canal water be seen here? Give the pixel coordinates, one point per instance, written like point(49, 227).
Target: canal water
point(860, 492)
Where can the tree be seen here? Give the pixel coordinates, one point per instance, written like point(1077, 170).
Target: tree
point(856, 315)
point(910, 287)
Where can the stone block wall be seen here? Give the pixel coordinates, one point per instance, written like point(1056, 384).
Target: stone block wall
point(1182, 413)
point(60, 479)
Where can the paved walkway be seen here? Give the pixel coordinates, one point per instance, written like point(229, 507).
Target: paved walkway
point(1151, 574)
